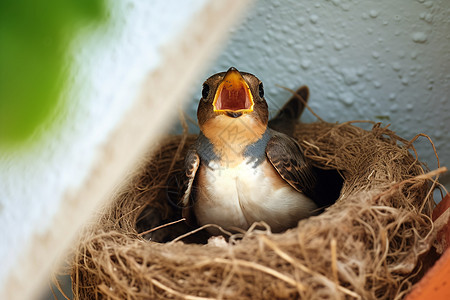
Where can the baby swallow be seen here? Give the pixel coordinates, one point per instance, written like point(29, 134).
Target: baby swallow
point(240, 171)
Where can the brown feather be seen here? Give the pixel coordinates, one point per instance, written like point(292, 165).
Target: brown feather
point(287, 158)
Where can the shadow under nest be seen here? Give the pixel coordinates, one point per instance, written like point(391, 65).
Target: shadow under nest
point(365, 246)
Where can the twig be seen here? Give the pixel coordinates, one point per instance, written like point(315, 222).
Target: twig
point(431, 142)
point(357, 121)
point(333, 246)
point(302, 100)
point(58, 286)
point(176, 293)
point(311, 145)
point(200, 229)
point(261, 268)
point(161, 226)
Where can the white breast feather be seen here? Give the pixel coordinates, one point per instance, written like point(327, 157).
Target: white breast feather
point(240, 196)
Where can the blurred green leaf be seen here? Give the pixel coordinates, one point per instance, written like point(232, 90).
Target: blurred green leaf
point(34, 38)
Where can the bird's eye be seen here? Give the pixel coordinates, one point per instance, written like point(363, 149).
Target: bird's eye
point(261, 90)
point(205, 91)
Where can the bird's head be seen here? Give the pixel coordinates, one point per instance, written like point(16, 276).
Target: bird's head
point(232, 95)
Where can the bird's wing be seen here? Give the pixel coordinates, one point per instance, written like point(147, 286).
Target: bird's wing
point(286, 156)
point(192, 162)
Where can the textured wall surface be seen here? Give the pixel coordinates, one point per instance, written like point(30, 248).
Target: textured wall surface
point(386, 60)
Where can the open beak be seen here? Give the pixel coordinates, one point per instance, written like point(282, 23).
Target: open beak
point(233, 94)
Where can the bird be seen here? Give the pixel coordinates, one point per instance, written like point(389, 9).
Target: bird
point(242, 168)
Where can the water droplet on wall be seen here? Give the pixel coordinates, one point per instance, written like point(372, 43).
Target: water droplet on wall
point(427, 17)
point(313, 19)
point(346, 98)
point(305, 63)
point(350, 76)
point(333, 61)
point(337, 46)
point(419, 37)
point(301, 21)
point(428, 4)
point(373, 13)
point(392, 96)
point(360, 71)
point(396, 66)
point(285, 29)
point(292, 68)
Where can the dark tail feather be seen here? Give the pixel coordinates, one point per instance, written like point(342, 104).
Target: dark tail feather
point(287, 117)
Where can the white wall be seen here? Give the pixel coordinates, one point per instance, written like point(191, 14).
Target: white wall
point(385, 60)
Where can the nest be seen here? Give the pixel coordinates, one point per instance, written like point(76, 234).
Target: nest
point(365, 246)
